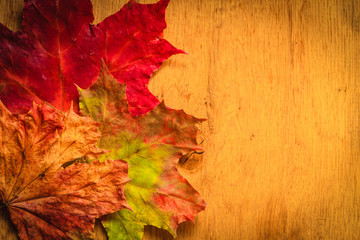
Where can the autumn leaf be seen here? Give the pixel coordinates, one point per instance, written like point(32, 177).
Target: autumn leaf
point(57, 47)
point(135, 49)
point(36, 62)
point(152, 145)
point(44, 199)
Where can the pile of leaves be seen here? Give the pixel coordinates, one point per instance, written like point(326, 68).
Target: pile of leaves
point(81, 136)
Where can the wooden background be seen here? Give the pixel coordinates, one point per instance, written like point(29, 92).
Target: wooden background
point(279, 83)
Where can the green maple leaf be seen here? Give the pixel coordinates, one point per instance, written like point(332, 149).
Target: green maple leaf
point(152, 145)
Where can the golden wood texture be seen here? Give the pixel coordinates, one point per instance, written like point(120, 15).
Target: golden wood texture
point(279, 83)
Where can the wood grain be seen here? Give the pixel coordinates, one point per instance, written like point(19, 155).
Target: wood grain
point(279, 83)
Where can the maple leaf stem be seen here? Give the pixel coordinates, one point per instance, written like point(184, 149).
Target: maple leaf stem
point(4, 205)
point(187, 158)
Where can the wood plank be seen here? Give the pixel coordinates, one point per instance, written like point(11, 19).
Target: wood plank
point(278, 82)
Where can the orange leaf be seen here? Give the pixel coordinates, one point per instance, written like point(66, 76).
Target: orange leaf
point(46, 200)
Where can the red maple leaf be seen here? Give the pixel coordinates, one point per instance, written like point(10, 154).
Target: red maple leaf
point(57, 47)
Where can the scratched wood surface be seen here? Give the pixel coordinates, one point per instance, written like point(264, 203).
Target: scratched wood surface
point(279, 83)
